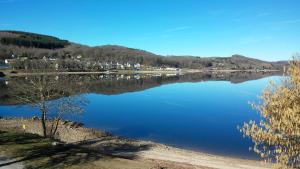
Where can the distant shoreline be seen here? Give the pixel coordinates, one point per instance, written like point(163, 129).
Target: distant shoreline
point(155, 152)
point(11, 73)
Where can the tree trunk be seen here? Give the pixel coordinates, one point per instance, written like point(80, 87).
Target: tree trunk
point(56, 126)
point(43, 120)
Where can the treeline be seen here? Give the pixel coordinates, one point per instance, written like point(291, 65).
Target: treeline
point(32, 40)
point(64, 50)
point(58, 65)
point(112, 53)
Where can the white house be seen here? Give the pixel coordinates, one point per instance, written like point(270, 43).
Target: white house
point(56, 66)
point(128, 65)
point(120, 66)
point(137, 66)
point(106, 65)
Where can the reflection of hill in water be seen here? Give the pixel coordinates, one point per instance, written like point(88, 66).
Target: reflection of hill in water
point(117, 84)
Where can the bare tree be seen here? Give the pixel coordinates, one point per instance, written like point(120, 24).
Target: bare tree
point(50, 95)
point(67, 105)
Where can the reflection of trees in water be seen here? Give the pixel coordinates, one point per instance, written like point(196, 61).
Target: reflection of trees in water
point(116, 83)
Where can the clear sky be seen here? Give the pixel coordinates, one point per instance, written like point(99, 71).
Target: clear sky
point(264, 29)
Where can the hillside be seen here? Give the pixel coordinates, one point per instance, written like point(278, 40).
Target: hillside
point(35, 46)
point(31, 40)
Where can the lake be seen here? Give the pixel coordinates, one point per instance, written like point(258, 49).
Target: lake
point(195, 111)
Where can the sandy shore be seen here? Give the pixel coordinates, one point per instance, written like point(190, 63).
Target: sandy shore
point(146, 151)
point(196, 159)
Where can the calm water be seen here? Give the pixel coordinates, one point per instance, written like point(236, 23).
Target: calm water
point(196, 115)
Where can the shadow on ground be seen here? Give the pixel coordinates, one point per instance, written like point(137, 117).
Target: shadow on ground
point(38, 152)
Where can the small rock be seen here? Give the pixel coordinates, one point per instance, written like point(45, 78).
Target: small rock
point(35, 118)
point(2, 74)
point(76, 125)
point(66, 122)
point(54, 143)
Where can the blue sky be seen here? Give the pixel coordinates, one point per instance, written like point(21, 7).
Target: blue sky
point(264, 29)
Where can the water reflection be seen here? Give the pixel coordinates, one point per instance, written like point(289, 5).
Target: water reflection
point(111, 84)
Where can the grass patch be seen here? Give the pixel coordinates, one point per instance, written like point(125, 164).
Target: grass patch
point(38, 152)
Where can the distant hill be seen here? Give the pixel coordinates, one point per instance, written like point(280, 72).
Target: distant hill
point(36, 46)
point(31, 40)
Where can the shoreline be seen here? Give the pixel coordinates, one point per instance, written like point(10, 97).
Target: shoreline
point(69, 133)
point(9, 73)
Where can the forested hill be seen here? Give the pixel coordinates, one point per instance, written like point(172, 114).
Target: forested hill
point(35, 46)
point(31, 40)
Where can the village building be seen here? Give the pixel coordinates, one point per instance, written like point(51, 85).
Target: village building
point(137, 66)
point(56, 66)
point(128, 65)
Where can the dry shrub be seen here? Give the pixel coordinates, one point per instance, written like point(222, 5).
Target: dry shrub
point(277, 136)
